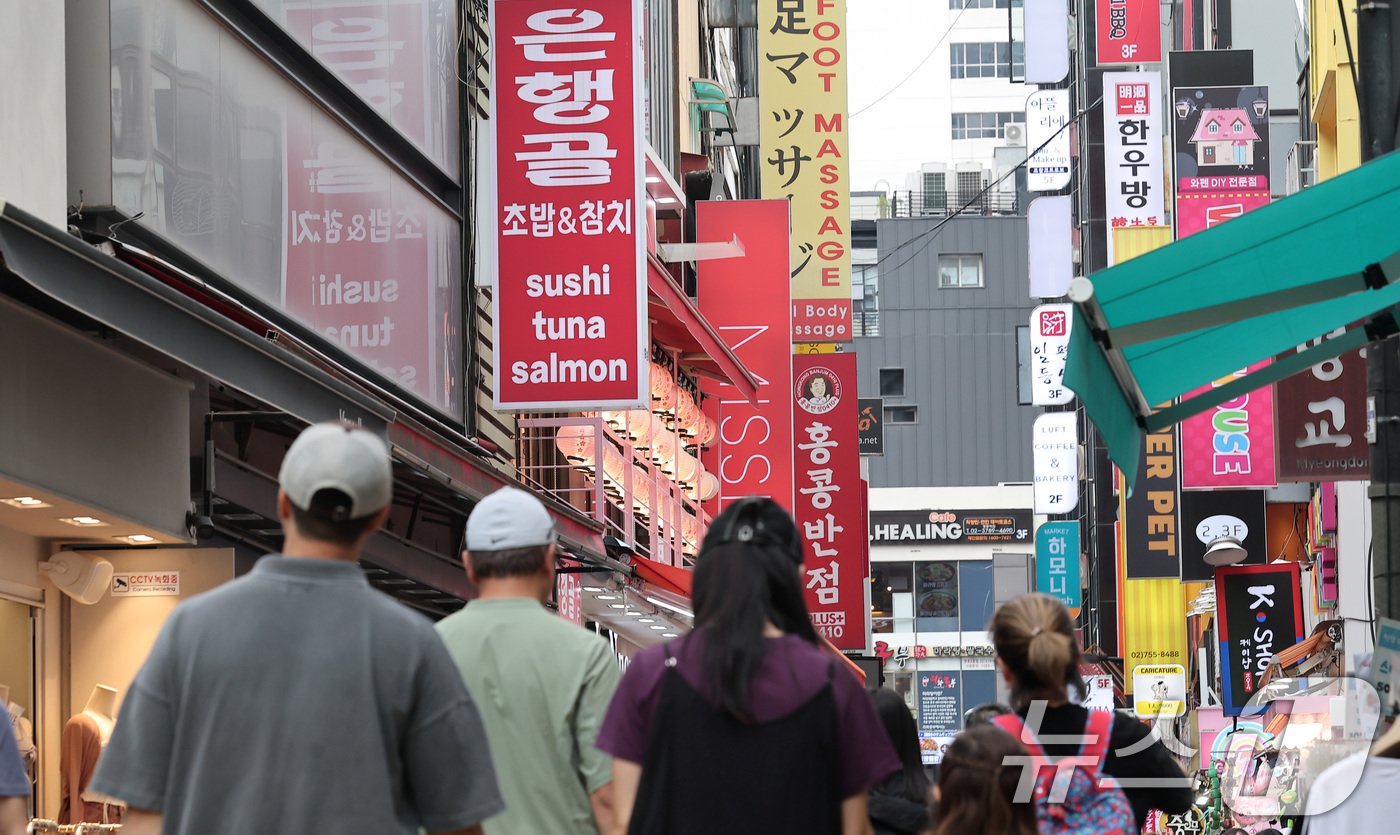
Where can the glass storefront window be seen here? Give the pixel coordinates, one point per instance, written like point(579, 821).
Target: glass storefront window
point(891, 596)
point(400, 56)
point(229, 162)
point(936, 596)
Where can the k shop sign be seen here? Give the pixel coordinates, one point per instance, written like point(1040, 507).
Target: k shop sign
point(569, 302)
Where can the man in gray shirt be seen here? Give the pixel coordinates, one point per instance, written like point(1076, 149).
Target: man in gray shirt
point(298, 699)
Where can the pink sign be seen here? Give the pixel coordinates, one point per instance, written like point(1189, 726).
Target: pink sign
point(1197, 212)
point(1230, 445)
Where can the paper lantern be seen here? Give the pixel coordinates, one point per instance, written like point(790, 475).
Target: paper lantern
point(688, 416)
point(707, 487)
point(641, 425)
point(705, 435)
point(578, 444)
point(663, 450)
point(688, 467)
point(664, 391)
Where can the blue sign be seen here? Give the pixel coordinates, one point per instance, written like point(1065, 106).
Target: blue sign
point(1057, 561)
point(1385, 666)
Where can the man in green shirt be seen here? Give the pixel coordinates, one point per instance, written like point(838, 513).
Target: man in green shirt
point(541, 683)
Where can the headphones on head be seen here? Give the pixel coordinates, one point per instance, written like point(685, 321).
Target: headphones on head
point(745, 524)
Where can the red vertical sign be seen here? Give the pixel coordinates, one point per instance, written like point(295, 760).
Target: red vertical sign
point(570, 298)
point(364, 264)
point(829, 494)
point(1130, 32)
point(749, 301)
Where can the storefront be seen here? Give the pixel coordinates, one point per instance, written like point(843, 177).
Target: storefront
point(941, 559)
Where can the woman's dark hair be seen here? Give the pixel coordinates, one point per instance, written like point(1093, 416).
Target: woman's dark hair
point(1034, 637)
point(911, 781)
point(748, 572)
point(977, 785)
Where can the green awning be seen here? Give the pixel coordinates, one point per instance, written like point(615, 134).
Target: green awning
point(1155, 328)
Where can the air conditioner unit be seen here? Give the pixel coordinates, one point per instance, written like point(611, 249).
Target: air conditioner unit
point(1014, 133)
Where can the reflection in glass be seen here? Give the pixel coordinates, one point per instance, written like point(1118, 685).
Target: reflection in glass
point(233, 165)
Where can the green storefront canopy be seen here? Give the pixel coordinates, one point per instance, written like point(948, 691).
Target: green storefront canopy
point(1153, 329)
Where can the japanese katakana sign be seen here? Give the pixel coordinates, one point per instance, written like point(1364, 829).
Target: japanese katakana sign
point(803, 150)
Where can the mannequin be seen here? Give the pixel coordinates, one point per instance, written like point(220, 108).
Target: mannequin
point(84, 736)
point(23, 728)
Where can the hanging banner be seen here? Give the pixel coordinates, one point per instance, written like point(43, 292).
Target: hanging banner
point(1047, 114)
point(1321, 420)
point(1230, 445)
point(1050, 324)
point(1207, 515)
point(1130, 32)
point(1132, 128)
point(1221, 141)
point(829, 502)
point(1051, 246)
point(871, 423)
point(804, 156)
point(570, 299)
point(1055, 461)
point(1147, 517)
point(1259, 610)
point(1057, 562)
point(1154, 625)
point(748, 301)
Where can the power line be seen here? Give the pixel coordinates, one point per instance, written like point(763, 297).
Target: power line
point(919, 65)
point(930, 235)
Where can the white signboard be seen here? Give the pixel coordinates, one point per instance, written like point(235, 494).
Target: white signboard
point(1100, 693)
point(146, 584)
point(1132, 128)
point(1159, 690)
point(1050, 324)
point(1055, 454)
point(1051, 246)
point(1047, 112)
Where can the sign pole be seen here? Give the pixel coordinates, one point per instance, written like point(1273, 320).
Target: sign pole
point(1375, 45)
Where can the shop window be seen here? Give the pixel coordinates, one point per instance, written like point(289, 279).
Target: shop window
point(960, 270)
point(891, 382)
point(936, 604)
point(891, 597)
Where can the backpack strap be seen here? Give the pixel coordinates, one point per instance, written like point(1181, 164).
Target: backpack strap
point(1097, 731)
point(1014, 725)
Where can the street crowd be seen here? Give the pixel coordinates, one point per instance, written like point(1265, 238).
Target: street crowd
point(298, 699)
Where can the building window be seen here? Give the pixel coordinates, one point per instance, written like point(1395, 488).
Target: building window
point(901, 414)
point(865, 299)
point(984, 4)
point(891, 382)
point(960, 271)
point(987, 60)
point(983, 125)
point(891, 597)
point(935, 196)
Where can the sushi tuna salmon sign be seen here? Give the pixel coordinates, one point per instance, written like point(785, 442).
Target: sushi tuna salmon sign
point(569, 302)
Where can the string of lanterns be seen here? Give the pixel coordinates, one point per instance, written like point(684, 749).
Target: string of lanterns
point(662, 434)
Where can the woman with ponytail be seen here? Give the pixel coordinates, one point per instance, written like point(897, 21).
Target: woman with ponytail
point(1039, 659)
point(745, 725)
point(976, 789)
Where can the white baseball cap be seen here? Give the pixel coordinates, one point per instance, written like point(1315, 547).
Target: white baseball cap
point(341, 457)
point(509, 518)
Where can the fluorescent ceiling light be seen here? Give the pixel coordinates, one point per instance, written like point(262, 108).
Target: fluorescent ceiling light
point(668, 634)
point(617, 605)
point(25, 502)
point(658, 627)
point(83, 521)
point(653, 179)
point(646, 620)
point(664, 200)
point(137, 538)
point(606, 597)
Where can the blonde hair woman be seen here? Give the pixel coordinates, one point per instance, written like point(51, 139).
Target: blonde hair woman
point(1039, 658)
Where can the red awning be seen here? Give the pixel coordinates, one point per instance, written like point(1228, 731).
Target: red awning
point(677, 324)
point(677, 581)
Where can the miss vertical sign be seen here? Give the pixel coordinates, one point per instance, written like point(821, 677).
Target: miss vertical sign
point(570, 299)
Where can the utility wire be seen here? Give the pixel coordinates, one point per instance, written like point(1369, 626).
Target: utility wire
point(930, 235)
point(917, 66)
